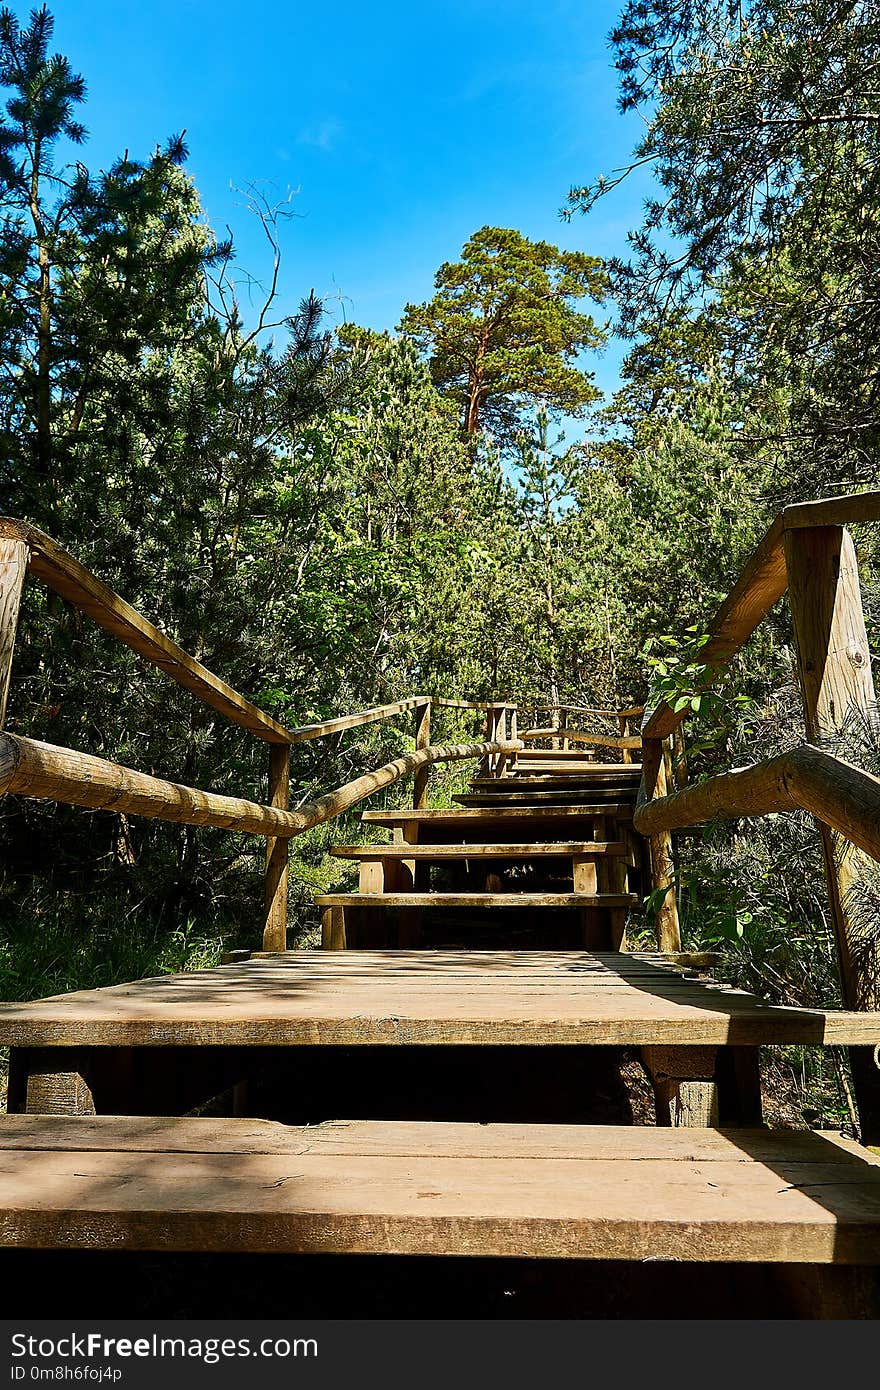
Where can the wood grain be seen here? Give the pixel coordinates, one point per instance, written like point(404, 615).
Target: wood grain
point(13, 570)
point(582, 1192)
point(275, 920)
point(421, 997)
point(41, 770)
point(834, 669)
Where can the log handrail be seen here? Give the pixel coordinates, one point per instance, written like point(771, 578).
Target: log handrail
point(47, 772)
point(804, 778)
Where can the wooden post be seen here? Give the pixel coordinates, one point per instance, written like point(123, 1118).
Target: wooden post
point(660, 849)
point(493, 721)
point(275, 924)
point(623, 728)
point(834, 666)
point(13, 568)
point(683, 1081)
point(423, 740)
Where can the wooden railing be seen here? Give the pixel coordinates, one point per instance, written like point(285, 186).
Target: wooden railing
point(808, 552)
point(561, 726)
point(35, 769)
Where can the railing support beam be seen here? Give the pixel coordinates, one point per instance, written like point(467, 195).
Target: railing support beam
point(655, 784)
point(834, 667)
point(423, 740)
point(13, 569)
point(275, 924)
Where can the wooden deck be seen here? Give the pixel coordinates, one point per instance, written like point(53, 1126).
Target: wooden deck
point(425, 1189)
point(426, 997)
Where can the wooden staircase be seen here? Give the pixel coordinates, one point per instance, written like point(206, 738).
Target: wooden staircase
point(486, 947)
point(555, 846)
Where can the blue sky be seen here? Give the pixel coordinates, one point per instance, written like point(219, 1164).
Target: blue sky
point(403, 127)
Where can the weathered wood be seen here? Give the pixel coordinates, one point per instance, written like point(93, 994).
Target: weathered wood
point(683, 1081)
point(760, 585)
point(834, 666)
point(275, 924)
point(333, 933)
point(495, 900)
point(55, 1082)
point(41, 770)
point(575, 797)
point(377, 715)
point(624, 741)
point(633, 711)
point(623, 727)
point(837, 688)
point(422, 740)
point(551, 1191)
point(471, 816)
point(833, 511)
point(803, 779)
point(13, 569)
point(654, 785)
point(422, 997)
point(548, 849)
point(72, 581)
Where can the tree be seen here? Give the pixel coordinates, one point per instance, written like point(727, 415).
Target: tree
point(502, 333)
point(763, 132)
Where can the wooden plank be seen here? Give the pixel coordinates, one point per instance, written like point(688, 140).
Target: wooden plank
point(548, 849)
point(760, 585)
point(306, 732)
point(623, 741)
point(590, 1192)
point(631, 711)
point(470, 815)
point(563, 797)
point(72, 581)
point(420, 1139)
point(495, 900)
point(391, 998)
point(13, 569)
point(606, 964)
point(833, 511)
point(594, 772)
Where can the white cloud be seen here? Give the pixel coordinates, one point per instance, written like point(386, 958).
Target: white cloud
point(322, 136)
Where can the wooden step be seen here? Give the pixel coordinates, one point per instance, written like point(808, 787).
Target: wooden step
point(468, 817)
point(564, 755)
point(628, 771)
point(515, 786)
point(587, 849)
point(429, 899)
point(317, 998)
point(407, 1188)
point(530, 769)
point(548, 780)
point(584, 800)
